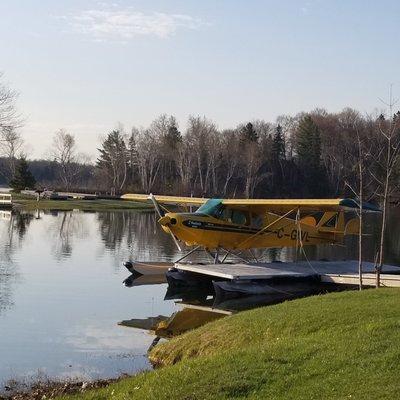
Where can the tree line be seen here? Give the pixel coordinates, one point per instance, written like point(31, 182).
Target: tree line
point(313, 154)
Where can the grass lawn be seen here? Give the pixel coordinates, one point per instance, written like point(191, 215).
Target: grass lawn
point(89, 205)
point(337, 346)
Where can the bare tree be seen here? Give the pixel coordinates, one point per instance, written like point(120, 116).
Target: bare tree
point(388, 152)
point(200, 134)
point(10, 119)
point(148, 159)
point(229, 148)
point(252, 161)
point(185, 165)
point(10, 146)
point(359, 154)
point(64, 153)
point(360, 168)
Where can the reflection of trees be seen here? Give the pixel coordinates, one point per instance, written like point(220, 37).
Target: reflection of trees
point(7, 280)
point(135, 235)
point(66, 226)
point(21, 222)
point(13, 228)
point(269, 255)
point(138, 236)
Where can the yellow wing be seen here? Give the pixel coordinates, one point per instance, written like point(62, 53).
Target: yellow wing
point(175, 200)
point(285, 205)
point(261, 205)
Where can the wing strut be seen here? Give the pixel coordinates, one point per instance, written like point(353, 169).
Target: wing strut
point(161, 214)
point(265, 228)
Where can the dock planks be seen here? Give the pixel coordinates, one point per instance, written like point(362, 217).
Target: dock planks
point(340, 272)
point(244, 271)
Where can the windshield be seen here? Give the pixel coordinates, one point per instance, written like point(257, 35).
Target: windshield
point(210, 207)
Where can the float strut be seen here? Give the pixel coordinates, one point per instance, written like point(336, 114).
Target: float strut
point(187, 254)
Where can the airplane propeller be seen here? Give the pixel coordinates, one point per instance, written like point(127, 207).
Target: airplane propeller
point(161, 214)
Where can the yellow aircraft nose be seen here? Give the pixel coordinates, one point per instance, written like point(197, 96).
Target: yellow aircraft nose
point(168, 219)
point(165, 220)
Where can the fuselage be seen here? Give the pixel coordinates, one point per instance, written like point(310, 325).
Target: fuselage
point(238, 228)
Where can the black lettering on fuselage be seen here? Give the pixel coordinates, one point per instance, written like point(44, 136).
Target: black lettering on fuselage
point(280, 233)
point(304, 235)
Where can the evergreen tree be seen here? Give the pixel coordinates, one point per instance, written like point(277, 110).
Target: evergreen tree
point(113, 160)
point(133, 157)
point(248, 134)
point(277, 164)
point(308, 150)
point(173, 137)
point(278, 145)
point(23, 177)
point(170, 142)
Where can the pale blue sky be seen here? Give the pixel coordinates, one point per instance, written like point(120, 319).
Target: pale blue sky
point(86, 65)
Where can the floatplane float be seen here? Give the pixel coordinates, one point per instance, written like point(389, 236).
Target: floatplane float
point(232, 228)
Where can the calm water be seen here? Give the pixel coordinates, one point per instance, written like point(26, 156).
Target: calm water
point(61, 290)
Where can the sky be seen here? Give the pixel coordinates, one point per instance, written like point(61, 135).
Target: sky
point(86, 66)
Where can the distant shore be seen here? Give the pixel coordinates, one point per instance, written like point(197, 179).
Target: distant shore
point(30, 204)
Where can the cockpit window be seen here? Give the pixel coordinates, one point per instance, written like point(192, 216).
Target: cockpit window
point(233, 216)
point(215, 208)
point(257, 221)
point(239, 217)
point(211, 207)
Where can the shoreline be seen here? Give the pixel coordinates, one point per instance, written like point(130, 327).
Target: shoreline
point(49, 389)
point(323, 344)
point(84, 205)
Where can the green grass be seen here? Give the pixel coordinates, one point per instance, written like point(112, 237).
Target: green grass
point(89, 205)
point(337, 346)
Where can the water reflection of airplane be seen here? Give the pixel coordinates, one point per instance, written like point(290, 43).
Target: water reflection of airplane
point(186, 319)
point(195, 311)
point(199, 306)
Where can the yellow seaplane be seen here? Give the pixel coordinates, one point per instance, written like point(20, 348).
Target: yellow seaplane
point(244, 224)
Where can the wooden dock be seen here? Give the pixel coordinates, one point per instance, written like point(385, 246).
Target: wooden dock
point(6, 200)
point(339, 272)
point(386, 280)
point(246, 271)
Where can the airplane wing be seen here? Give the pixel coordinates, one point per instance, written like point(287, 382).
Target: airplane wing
point(261, 205)
point(285, 205)
point(174, 200)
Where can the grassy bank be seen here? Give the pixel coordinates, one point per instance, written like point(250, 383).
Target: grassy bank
point(336, 346)
point(88, 205)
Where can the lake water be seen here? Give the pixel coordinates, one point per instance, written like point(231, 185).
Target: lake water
point(62, 293)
